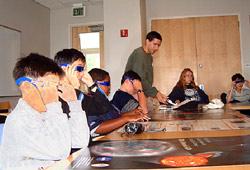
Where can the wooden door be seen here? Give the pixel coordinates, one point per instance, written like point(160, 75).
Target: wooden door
point(177, 51)
point(218, 52)
point(209, 46)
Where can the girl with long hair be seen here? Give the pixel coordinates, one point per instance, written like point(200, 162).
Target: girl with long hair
point(186, 88)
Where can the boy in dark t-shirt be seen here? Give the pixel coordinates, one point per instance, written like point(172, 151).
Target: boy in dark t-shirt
point(130, 96)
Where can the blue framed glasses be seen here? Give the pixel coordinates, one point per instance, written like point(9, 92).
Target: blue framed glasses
point(34, 82)
point(78, 68)
point(129, 79)
point(105, 83)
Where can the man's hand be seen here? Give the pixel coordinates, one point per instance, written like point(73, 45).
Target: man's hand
point(161, 97)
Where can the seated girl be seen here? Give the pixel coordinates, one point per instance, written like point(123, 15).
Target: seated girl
point(186, 88)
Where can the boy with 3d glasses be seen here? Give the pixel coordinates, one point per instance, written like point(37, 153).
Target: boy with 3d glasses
point(130, 96)
point(113, 119)
point(237, 92)
point(73, 62)
point(37, 129)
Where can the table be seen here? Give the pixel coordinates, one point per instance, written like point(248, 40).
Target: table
point(239, 106)
point(156, 115)
point(229, 140)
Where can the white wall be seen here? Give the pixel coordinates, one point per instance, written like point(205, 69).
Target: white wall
point(125, 14)
point(33, 20)
point(61, 21)
point(167, 9)
point(120, 14)
point(115, 15)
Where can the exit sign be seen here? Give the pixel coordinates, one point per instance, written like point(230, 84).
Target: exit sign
point(79, 11)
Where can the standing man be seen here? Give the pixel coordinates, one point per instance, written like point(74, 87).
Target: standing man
point(141, 62)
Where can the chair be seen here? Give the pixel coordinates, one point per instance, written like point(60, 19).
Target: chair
point(5, 108)
point(223, 98)
point(2, 121)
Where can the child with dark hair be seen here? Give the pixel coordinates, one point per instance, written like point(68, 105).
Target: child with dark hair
point(37, 128)
point(72, 62)
point(130, 96)
point(237, 92)
point(108, 122)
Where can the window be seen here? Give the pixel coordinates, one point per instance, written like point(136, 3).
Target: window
point(90, 46)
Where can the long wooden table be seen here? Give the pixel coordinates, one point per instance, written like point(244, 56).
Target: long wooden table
point(240, 106)
point(157, 115)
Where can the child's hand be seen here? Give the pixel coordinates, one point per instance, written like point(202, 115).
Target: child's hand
point(177, 101)
point(32, 97)
point(141, 110)
point(67, 92)
point(49, 93)
point(247, 83)
point(137, 85)
point(71, 75)
point(133, 118)
point(87, 79)
point(233, 84)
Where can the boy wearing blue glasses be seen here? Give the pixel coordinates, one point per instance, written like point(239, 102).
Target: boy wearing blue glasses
point(130, 97)
point(237, 92)
point(72, 62)
point(113, 119)
point(37, 129)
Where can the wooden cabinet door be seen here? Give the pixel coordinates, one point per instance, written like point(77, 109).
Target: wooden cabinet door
point(218, 52)
point(177, 51)
point(210, 46)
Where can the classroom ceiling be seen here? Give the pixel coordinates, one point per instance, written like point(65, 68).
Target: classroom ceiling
point(59, 4)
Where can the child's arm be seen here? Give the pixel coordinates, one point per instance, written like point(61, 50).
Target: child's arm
point(78, 125)
point(141, 96)
point(77, 118)
point(229, 97)
point(45, 138)
point(133, 112)
point(110, 125)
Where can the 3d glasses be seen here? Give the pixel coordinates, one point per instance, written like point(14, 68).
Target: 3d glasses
point(34, 82)
point(129, 79)
point(105, 83)
point(240, 81)
point(78, 68)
